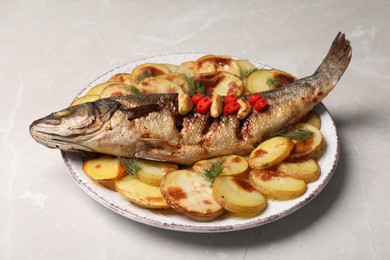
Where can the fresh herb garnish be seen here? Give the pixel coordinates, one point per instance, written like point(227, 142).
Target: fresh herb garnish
point(211, 173)
point(133, 90)
point(132, 166)
point(245, 72)
point(144, 75)
point(194, 87)
point(272, 82)
point(299, 133)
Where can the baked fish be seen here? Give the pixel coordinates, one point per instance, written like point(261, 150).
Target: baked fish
point(149, 126)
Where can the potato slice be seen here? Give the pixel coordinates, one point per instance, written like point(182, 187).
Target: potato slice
point(314, 119)
point(271, 183)
point(98, 88)
point(233, 165)
point(158, 85)
point(311, 147)
point(104, 169)
point(186, 68)
point(141, 194)
point(175, 78)
point(187, 192)
point(264, 79)
point(214, 63)
point(270, 152)
point(238, 196)
point(85, 99)
point(152, 172)
point(115, 90)
point(172, 67)
point(245, 66)
point(306, 170)
point(147, 70)
point(125, 78)
point(221, 83)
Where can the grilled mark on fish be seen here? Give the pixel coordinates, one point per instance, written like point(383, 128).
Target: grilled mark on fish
point(148, 126)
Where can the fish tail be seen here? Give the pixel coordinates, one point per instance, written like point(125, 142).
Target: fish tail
point(337, 60)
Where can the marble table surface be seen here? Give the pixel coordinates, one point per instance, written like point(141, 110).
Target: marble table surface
point(50, 50)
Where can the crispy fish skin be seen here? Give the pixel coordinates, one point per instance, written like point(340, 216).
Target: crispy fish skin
point(150, 127)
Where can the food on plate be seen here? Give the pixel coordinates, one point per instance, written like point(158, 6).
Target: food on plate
point(308, 141)
point(238, 195)
point(243, 147)
point(307, 170)
point(272, 183)
point(189, 193)
point(214, 63)
point(105, 170)
point(270, 152)
point(267, 79)
point(140, 193)
point(151, 172)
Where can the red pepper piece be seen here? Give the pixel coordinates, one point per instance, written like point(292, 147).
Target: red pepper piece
point(195, 98)
point(253, 98)
point(231, 107)
point(230, 98)
point(260, 104)
point(203, 105)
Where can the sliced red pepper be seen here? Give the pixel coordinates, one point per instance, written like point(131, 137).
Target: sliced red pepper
point(260, 104)
point(231, 107)
point(203, 105)
point(230, 98)
point(195, 98)
point(253, 98)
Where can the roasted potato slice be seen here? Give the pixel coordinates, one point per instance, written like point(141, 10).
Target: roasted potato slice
point(233, 165)
point(266, 79)
point(104, 169)
point(152, 172)
point(221, 83)
point(115, 90)
point(314, 119)
point(141, 194)
point(272, 183)
point(214, 63)
point(245, 67)
point(186, 68)
point(172, 67)
point(311, 147)
point(175, 78)
point(125, 78)
point(238, 196)
point(307, 170)
point(270, 152)
point(158, 85)
point(85, 99)
point(147, 70)
point(95, 90)
point(187, 192)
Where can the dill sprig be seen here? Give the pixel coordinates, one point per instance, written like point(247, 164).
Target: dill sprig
point(133, 90)
point(272, 82)
point(132, 166)
point(211, 173)
point(194, 87)
point(245, 72)
point(299, 133)
point(144, 75)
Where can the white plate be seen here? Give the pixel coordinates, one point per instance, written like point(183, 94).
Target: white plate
point(169, 220)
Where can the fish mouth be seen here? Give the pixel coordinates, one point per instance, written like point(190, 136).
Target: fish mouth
point(44, 132)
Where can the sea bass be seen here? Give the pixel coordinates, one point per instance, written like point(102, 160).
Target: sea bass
point(149, 126)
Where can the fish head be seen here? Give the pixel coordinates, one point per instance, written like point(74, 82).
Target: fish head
point(70, 129)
